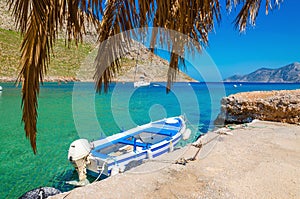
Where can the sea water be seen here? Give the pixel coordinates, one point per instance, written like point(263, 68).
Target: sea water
point(69, 111)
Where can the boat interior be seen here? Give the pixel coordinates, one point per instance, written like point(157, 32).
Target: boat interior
point(138, 141)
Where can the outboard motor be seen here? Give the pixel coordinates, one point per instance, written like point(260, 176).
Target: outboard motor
point(78, 155)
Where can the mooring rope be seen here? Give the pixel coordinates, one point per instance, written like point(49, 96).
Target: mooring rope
point(192, 126)
point(102, 169)
point(183, 160)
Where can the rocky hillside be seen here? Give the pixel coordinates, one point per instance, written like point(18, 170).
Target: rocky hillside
point(279, 106)
point(286, 74)
point(6, 20)
point(141, 63)
point(66, 63)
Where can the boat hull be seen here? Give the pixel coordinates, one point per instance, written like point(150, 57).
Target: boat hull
point(141, 84)
point(120, 163)
point(120, 152)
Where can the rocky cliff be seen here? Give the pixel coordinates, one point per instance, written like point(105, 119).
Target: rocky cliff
point(286, 74)
point(66, 63)
point(141, 63)
point(279, 106)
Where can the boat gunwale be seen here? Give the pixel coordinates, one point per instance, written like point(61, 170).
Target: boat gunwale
point(155, 147)
point(114, 161)
point(116, 138)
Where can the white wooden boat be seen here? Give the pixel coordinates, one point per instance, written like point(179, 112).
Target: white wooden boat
point(113, 154)
point(141, 83)
point(0, 88)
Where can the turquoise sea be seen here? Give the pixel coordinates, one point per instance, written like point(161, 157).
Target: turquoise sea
point(69, 111)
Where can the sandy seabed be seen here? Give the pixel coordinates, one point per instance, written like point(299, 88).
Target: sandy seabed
point(259, 160)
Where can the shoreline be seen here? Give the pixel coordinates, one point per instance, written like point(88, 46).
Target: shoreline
point(73, 79)
point(256, 160)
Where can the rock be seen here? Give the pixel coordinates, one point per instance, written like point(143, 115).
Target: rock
point(6, 19)
point(42, 192)
point(279, 106)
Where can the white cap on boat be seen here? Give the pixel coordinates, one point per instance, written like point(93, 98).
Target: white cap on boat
point(79, 149)
point(171, 121)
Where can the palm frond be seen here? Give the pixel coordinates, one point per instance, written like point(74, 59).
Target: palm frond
point(34, 59)
point(189, 17)
point(249, 11)
point(39, 22)
point(119, 16)
point(194, 19)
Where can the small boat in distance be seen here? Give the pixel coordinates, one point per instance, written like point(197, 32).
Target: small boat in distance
point(141, 82)
point(1, 88)
point(112, 155)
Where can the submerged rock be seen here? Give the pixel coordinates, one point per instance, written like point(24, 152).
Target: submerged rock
point(279, 106)
point(39, 193)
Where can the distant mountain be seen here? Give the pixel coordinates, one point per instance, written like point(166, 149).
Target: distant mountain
point(286, 74)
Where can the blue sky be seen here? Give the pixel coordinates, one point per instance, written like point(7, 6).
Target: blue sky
point(273, 42)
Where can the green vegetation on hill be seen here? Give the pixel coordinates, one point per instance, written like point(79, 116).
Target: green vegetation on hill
point(9, 53)
point(64, 61)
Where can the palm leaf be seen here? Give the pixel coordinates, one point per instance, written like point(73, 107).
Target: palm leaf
point(249, 11)
point(39, 22)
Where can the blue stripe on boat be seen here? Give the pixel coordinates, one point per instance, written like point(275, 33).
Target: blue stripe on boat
point(131, 142)
point(160, 153)
point(162, 146)
point(160, 131)
point(164, 151)
point(125, 159)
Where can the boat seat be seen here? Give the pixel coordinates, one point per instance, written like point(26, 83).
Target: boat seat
point(131, 142)
point(159, 131)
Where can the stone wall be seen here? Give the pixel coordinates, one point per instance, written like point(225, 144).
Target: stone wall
point(279, 106)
